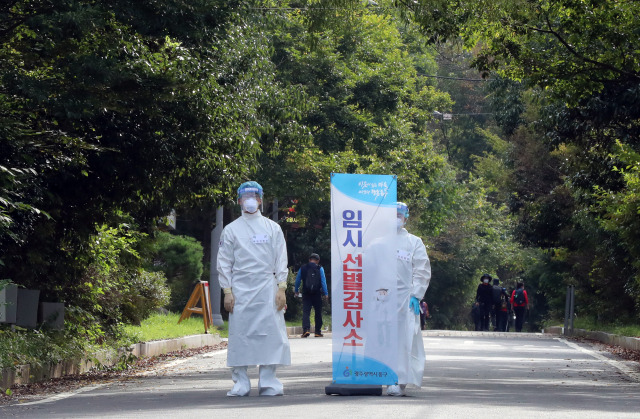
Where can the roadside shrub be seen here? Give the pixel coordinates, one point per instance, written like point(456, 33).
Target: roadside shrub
point(114, 289)
point(37, 348)
point(147, 291)
point(94, 301)
point(180, 259)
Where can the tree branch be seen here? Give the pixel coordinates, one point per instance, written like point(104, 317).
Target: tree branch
point(578, 55)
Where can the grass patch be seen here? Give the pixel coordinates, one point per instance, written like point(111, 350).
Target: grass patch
point(165, 326)
point(326, 321)
point(630, 330)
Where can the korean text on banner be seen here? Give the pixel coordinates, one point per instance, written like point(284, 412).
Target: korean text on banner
point(363, 272)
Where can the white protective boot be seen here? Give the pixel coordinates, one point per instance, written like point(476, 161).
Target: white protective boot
point(396, 390)
point(242, 384)
point(268, 384)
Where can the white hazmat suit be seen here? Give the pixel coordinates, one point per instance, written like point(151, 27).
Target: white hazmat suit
point(252, 261)
point(414, 274)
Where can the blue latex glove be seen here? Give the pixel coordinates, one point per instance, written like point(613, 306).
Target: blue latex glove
point(414, 305)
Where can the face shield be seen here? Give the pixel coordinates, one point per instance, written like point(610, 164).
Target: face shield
point(381, 294)
point(402, 214)
point(400, 221)
point(250, 201)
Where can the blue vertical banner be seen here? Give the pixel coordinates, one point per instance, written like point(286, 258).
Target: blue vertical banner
point(363, 278)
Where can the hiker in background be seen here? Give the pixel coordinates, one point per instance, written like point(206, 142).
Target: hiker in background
point(520, 303)
point(500, 309)
point(424, 314)
point(476, 316)
point(484, 296)
point(314, 289)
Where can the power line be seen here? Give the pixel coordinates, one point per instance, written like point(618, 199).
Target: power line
point(450, 78)
point(446, 116)
point(315, 8)
point(479, 113)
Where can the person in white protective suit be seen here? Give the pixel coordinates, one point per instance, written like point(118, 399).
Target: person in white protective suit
point(252, 267)
point(414, 274)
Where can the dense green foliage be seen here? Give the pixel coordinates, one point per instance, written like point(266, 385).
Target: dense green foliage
point(114, 288)
point(39, 349)
point(179, 259)
point(570, 72)
point(113, 113)
point(367, 106)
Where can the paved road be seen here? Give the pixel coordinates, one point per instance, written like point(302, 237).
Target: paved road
point(468, 375)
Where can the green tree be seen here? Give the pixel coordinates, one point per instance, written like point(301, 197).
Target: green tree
point(574, 67)
point(368, 108)
point(113, 108)
point(360, 107)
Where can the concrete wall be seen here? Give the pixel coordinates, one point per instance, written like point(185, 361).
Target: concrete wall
point(608, 338)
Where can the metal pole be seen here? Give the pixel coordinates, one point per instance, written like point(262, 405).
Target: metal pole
point(214, 284)
point(571, 310)
point(567, 307)
point(274, 215)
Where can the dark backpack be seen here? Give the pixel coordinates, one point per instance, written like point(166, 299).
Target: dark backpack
point(311, 283)
point(497, 294)
point(519, 296)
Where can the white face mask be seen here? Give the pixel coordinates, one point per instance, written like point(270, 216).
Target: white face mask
point(486, 281)
point(250, 205)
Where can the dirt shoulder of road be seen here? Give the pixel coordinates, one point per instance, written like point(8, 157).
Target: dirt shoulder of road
point(29, 392)
point(620, 352)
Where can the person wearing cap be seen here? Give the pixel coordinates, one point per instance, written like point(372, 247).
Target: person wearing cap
point(413, 276)
point(314, 289)
point(484, 298)
point(252, 268)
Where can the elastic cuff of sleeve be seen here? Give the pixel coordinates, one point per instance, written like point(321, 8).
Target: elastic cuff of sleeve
point(227, 290)
point(282, 285)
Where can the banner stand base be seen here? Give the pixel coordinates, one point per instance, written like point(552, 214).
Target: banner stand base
point(353, 390)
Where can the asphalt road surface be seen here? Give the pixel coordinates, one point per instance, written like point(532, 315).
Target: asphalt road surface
point(467, 375)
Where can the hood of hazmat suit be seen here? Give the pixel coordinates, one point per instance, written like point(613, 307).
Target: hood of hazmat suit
point(252, 260)
point(414, 274)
